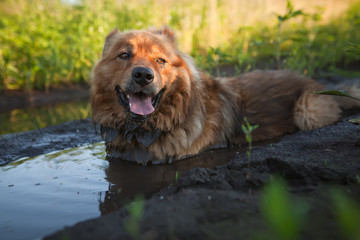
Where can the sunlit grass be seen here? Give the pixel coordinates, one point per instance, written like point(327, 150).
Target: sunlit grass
point(45, 43)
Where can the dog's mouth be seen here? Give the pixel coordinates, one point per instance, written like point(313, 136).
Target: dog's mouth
point(138, 103)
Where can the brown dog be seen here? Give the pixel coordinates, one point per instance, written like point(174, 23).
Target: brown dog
point(153, 105)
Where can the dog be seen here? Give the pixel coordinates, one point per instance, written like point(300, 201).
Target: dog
point(154, 106)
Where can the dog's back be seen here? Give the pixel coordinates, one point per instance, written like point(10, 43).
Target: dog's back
point(282, 102)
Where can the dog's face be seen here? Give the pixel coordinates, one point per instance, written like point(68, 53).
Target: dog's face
point(137, 71)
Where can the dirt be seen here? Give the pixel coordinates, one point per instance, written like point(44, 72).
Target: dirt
point(223, 202)
point(12, 99)
point(52, 138)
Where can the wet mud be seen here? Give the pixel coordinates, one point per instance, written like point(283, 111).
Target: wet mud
point(222, 201)
point(52, 138)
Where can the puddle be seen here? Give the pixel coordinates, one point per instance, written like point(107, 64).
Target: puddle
point(42, 194)
point(25, 119)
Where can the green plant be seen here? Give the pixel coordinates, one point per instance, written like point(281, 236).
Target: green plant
point(133, 223)
point(176, 176)
point(341, 93)
point(284, 215)
point(348, 214)
point(44, 44)
point(355, 48)
point(248, 129)
point(291, 13)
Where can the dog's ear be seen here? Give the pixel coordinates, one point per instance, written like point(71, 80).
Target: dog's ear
point(167, 32)
point(109, 40)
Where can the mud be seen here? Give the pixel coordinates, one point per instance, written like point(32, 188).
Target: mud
point(223, 202)
point(56, 137)
point(16, 99)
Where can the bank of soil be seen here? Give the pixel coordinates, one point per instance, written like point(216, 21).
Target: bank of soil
point(52, 138)
point(221, 203)
point(17, 99)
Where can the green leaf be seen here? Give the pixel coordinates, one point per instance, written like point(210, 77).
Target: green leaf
point(297, 13)
point(354, 45)
point(283, 214)
point(355, 121)
point(336, 93)
point(289, 6)
point(133, 223)
point(348, 214)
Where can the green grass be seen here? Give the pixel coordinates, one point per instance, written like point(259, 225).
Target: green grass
point(247, 128)
point(287, 216)
point(133, 223)
point(347, 213)
point(46, 43)
point(284, 215)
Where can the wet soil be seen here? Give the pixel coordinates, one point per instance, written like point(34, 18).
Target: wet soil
point(17, 99)
point(224, 201)
point(52, 138)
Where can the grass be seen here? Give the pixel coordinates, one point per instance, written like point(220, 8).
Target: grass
point(287, 217)
point(284, 215)
point(248, 129)
point(46, 43)
point(133, 223)
point(348, 214)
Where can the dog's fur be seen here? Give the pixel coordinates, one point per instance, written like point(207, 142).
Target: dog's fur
point(193, 111)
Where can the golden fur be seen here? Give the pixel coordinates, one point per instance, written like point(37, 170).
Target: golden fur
point(192, 111)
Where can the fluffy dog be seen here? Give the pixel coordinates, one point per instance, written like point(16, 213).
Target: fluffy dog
point(154, 106)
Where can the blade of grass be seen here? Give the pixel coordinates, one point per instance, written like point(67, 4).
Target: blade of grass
point(336, 93)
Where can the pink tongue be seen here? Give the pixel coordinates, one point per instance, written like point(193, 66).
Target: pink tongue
point(140, 104)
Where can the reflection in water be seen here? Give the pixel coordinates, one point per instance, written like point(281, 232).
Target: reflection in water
point(26, 119)
point(43, 194)
point(127, 180)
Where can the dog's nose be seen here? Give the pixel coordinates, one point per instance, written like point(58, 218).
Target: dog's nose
point(142, 75)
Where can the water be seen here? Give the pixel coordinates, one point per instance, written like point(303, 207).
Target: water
point(25, 119)
point(42, 194)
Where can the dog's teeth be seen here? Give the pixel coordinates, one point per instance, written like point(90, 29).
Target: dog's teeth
point(128, 96)
point(130, 105)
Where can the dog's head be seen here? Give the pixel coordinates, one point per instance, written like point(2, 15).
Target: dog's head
point(140, 76)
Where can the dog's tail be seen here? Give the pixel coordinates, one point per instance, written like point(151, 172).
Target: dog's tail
point(347, 102)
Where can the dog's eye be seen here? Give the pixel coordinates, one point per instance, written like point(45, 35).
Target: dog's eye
point(160, 60)
point(124, 55)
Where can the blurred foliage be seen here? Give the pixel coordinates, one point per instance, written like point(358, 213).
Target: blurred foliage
point(306, 45)
point(285, 216)
point(45, 43)
point(348, 214)
point(133, 223)
point(20, 120)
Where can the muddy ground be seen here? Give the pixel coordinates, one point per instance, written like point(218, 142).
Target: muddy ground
point(12, 99)
point(222, 203)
